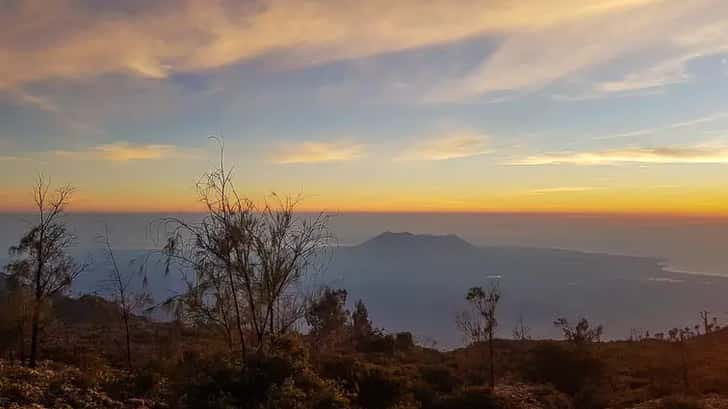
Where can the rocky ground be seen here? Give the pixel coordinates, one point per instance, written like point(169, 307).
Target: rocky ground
point(56, 386)
point(521, 396)
point(59, 386)
point(704, 402)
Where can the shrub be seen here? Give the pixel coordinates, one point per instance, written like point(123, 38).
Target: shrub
point(441, 378)
point(281, 380)
point(378, 388)
point(470, 398)
point(371, 386)
point(404, 341)
point(681, 402)
point(569, 369)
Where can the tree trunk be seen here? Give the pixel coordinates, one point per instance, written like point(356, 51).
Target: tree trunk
point(685, 379)
point(21, 342)
point(34, 335)
point(128, 340)
point(238, 319)
point(492, 360)
point(35, 328)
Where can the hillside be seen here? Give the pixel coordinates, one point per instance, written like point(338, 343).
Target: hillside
point(172, 362)
point(406, 279)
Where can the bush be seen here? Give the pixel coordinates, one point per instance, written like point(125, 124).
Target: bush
point(549, 398)
point(681, 402)
point(378, 387)
point(470, 398)
point(569, 369)
point(371, 386)
point(441, 378)
point(280, 380)
point(404, 341)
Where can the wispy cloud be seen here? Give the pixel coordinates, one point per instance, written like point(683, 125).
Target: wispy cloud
point(317, 152)
point(6, 158)
point(37, 101)
point(664, 32)
point(451, 146)
point(659, 155)
point(666, 73)
point(686, 45)
point(123, 152)
point(72, 41)
point(675, 125)
point(561, 189)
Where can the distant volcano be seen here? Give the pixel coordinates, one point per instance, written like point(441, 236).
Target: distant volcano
point(406, 242)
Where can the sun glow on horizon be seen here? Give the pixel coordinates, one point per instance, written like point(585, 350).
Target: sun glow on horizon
point(565, 106)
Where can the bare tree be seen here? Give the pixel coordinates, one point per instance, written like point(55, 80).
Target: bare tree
point(43, 264)
point(286, 247)
point(479, 323)
point(521, 332)
point(218, 250)
point(680, 337)
point(709, 325)
point(246, 261)
point(121, 285)
point(580, 334)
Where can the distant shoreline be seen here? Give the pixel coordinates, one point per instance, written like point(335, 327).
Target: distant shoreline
point(669, 268)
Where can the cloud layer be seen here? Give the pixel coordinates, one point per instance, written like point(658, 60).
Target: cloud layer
point(663, 155)
point(317, 152)
point(69, 39)
point(122, 152)
point(663, 35)
point(561, 189)
point(450, 146)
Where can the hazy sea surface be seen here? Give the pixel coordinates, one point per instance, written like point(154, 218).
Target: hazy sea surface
point(416, 283)
point(691, 245)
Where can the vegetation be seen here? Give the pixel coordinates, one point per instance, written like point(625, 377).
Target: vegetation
point(479, 324)
point(122, 293)
point(43, 267)
point(247, 334)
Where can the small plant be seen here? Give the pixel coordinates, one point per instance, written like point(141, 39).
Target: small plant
point(681, 402)
point(479, 323)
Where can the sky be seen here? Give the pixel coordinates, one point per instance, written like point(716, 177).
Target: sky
point(606, 106)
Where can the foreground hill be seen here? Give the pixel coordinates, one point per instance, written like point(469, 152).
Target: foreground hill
point(178, 365)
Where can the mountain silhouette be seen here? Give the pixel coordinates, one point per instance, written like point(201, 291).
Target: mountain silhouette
point(417, 282)
point(405, 242)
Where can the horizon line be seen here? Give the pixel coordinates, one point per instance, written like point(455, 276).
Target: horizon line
point(563, 213)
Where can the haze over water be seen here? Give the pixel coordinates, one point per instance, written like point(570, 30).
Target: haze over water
point(692, 245)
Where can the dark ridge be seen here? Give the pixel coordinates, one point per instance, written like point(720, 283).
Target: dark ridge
point(408, 241)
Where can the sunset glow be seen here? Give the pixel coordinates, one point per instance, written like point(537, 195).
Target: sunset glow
point(606, 106)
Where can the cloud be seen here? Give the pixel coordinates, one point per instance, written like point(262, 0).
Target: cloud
point(69, 39)
point(666, 73)
point(37, 101)
point(666, 280)
point(661, 155)
point(452, 146)
point(675, 125)
point(687, 45)
point(662, 33)
point(123, 152)
point(561, 189)
point(317, 152)
point(5, 158)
